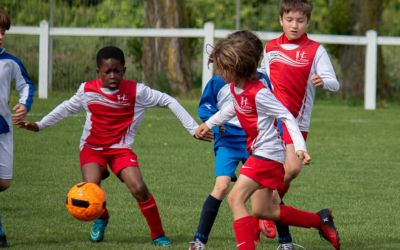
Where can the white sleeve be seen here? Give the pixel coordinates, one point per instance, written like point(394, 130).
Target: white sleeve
point(148, 97)
point(264, 66)
point(73, 105)
point(223, 115)
point(324, 69)
point(267, 103)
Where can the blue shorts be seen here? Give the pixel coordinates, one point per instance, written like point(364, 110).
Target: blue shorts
point(228, 159)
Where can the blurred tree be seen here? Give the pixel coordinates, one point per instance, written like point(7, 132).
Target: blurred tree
point(166, 61)
point(355, 17)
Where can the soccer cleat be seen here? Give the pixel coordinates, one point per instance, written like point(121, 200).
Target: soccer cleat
point(197, 245)
point(162, 241)
point(98, 228)
point(267, 227)
point(289, 246)
point(3, 241)
point(327, 228)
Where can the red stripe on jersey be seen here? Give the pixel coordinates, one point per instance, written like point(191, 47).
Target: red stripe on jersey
point(290, 70)
point(246, 111)
point(111, 113)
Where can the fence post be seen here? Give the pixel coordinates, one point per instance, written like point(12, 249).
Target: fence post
point(371, 70)
point(208, 40)
point(43, 59)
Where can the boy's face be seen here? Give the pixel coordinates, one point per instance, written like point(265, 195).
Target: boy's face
point(294, 24)
point(111, 72)
point(2, 36)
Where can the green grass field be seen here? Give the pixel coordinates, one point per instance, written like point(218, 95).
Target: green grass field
point(355, 171)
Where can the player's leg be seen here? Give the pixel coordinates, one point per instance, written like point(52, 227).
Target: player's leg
point(93, 167)
point(226, 162)
point(209, 212)
point(243, 223)
point(267, 227)
point(293, 166)
point(323, 220)
point(134, 181)
point(6, 168)
point(6, 160)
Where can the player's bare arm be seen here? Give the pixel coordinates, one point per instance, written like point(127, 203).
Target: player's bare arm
point(317, 80)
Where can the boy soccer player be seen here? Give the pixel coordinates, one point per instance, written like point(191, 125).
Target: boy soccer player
point(296, 66)
point(11, 68)
point(229, 149)
point(256, 108)
point(115, 108)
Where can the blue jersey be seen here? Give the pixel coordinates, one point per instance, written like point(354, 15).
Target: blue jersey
point(12, 69)
point(216, 95)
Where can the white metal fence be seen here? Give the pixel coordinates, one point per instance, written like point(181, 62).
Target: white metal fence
point(371, 40)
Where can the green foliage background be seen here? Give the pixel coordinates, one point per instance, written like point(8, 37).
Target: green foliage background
point(74, 56)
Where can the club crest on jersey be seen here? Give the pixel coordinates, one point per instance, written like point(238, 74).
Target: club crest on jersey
point(122, 98)
point(243, 107)
point(243, 101)
point(300, 56)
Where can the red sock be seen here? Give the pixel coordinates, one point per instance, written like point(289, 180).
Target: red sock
point(295, 217)
point(256, 231)
point(150, 212)
point(104, 215)
point(282, 190)
point(244, 232)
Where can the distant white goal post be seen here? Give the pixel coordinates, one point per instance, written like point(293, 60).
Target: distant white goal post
point(371, 40)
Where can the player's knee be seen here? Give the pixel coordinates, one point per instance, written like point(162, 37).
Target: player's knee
point(261, 214)
point(139, 191)
point(233, 200)
point(4, 185)
point(220, 190)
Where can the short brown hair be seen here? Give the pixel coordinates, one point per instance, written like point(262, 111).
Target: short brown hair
point(238, 54)
point(304, 6)
point(5, 21)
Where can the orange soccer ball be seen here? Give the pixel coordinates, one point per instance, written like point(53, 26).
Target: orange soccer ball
point(86, 201)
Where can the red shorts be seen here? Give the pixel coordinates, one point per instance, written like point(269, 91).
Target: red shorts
point(286, 136)
point(116, 158)
point(267, 173)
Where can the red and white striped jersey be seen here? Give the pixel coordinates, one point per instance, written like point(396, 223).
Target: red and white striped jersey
point(113, 116)
point(289, 65)
point(257, 108)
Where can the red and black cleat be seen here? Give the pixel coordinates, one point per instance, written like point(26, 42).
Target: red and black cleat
point(327, 228)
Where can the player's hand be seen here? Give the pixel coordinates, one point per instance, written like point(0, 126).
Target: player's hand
point(303, 156)
point(317, 80)
point(32, 126)
point(208, 136)
point(203, 132)
point(19, 113)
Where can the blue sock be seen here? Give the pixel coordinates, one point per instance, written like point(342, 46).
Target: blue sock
point(207, 218)
point(283, 232)
point(1, 229)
